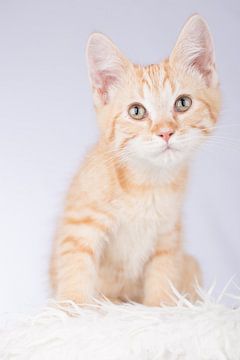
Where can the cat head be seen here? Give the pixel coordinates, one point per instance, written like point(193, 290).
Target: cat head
point(156, 115)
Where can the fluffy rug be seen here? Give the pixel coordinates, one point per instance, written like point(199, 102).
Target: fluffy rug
point(207, 330)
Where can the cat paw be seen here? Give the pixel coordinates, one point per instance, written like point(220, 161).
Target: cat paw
point(158, 301)
point(77, 298)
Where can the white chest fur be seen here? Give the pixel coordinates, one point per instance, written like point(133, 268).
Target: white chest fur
point(141, 221)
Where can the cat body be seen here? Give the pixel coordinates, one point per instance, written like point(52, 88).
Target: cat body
point(121, 235)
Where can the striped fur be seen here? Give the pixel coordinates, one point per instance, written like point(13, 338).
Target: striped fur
point(120, 234)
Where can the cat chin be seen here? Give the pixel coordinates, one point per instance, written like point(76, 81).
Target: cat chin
point(167, 162)
point(159, 157)
point(166, 158)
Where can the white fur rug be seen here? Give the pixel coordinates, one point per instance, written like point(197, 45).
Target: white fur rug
point(207, 330)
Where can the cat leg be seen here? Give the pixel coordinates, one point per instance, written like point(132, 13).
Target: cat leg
point(191, 277)
point(79, 246)
point(76, 276)
point(163, 269)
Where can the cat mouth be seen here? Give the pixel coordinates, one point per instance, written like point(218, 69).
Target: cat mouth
point(168, 149)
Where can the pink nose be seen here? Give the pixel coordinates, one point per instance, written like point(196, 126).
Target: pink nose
point(166, 134)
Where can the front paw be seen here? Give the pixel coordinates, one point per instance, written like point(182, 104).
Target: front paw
point(77, 297)
point(159, 300)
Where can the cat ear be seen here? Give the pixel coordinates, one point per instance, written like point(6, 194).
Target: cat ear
point(106, 67)
point(194, 49)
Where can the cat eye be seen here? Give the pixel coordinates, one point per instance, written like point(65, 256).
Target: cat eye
point(137, 111)
point(183, 103)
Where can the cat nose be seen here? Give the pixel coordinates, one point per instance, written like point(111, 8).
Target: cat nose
point(166, 134)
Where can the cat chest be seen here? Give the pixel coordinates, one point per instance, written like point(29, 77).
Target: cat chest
point(140, 225)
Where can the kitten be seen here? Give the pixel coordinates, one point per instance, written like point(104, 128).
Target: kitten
point(121, 234)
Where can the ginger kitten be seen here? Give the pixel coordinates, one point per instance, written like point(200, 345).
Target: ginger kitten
point(120, 234)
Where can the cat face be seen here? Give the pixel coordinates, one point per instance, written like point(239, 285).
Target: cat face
point(156, 115)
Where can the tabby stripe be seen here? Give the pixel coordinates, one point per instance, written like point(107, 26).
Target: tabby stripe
point(77, 246)
point(88, 220)
point(209, 109)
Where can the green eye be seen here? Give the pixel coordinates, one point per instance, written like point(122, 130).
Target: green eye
point(183, 103)
point(137, 111)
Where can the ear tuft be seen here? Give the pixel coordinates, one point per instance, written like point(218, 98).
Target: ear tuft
point(106, 66)
point(194, 49)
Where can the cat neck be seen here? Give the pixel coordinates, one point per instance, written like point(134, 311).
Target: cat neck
point(156, 175)
point(141, 174)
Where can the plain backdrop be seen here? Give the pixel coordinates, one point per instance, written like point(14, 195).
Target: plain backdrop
point(47, 124)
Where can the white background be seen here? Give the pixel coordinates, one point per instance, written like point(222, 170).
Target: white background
point(47, 124)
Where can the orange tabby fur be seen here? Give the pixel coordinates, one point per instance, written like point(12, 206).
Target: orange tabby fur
point(120, 234)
